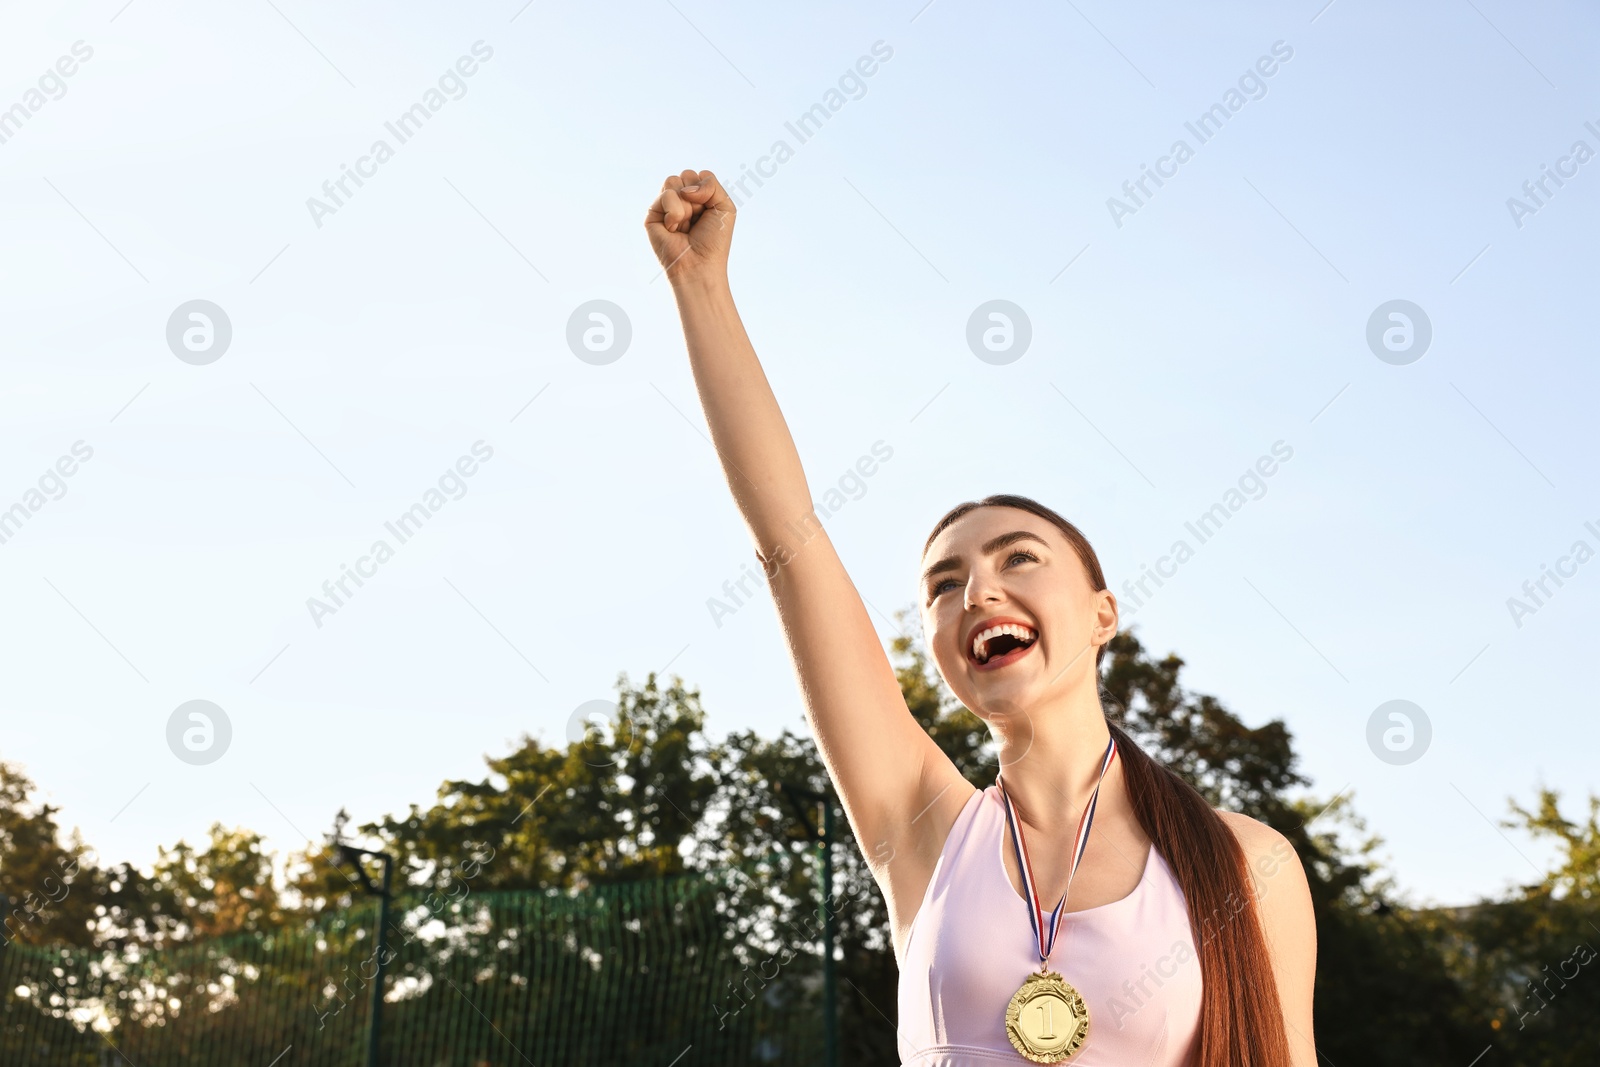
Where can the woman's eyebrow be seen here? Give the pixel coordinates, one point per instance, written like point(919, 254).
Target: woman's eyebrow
point(993, 545)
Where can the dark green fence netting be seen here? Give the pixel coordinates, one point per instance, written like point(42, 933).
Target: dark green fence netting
point(648, 973)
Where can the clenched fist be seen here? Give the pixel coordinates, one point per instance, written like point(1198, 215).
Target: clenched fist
point(690, 225)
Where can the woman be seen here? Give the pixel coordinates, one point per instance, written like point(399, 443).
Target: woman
point(1189, 938)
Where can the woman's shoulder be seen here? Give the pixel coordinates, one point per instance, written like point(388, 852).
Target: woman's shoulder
point(1266, 851)
point(1256, 837)
point(1278, 878)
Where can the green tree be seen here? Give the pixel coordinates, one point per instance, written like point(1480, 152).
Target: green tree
point(621, 804)
point(1534, 959)
point(42, 878)
point(226, 887)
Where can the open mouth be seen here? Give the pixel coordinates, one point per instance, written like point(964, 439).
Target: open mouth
point(996, 646)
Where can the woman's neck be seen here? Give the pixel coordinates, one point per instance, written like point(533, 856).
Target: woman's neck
point(1050, 759)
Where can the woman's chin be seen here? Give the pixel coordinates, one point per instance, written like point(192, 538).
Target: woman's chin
point(997, 697)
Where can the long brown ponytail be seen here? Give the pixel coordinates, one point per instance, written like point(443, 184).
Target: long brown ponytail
point(1241, 1019)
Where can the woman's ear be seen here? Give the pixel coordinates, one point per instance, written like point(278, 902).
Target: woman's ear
point(1105, 616)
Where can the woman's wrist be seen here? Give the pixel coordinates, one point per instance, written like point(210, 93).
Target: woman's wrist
point(699, 283)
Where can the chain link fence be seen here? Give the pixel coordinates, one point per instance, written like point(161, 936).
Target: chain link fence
point(647, 973)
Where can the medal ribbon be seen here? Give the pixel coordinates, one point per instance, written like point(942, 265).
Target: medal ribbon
point(1046, 935)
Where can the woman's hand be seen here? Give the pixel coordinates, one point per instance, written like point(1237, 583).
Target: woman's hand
point(690, 225)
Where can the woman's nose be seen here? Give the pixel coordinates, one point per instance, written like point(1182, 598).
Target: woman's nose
point(982, 589)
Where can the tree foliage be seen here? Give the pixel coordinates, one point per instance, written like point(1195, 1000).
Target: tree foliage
point(648, 795)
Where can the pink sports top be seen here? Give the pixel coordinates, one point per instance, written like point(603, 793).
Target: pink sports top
point(970, 946)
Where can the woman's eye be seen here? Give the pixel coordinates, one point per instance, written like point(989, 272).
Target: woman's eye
point(1024, 555)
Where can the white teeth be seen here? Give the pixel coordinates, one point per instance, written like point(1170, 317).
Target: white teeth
point(980, 643)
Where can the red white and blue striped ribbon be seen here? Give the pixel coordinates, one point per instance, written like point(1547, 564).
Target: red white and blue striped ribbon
point(1046, 934)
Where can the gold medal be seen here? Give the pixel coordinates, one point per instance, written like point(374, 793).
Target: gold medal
point(1047, 1020)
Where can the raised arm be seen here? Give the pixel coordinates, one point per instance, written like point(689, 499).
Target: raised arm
point(885, 767)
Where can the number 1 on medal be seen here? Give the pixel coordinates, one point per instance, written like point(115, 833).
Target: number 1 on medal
point(1049, 1030)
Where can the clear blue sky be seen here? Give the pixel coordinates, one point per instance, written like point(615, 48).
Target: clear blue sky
point(374, 344)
